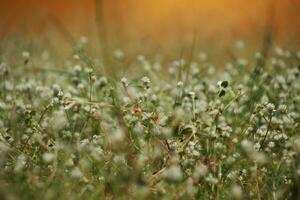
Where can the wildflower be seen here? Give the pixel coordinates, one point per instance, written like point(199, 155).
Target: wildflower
point(242, 62)
point(259, 157)
point(3, 69)
point(247, 146)
point(89, 70)
point(202, 56)
point(124, 82)
point(235, 140)
point(200, 171)
point(297, 145)
point(58, 120)
point(25, 54)
point(20, 163)
point(236, 192)
point(117, 136)
point(77, 68)
point(76, 57)
point(145, 80)
point(258, 55)
point(180, 84)
point(69, 162)
point(271, 144)
point(271, 107)
point(192, 94)
point(4, 147)
point(119, 54)
point(211, 179)
point(230, 160)
point(96, 153)
point(76, 173)
point(173, 173)
point(138, 128)
point(48, 157)
point(84, 40)
point(279, 51)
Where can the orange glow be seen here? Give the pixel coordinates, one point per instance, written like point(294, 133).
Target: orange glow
point(155, 19)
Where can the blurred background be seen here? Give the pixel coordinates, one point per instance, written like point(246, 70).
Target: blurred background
point(159, 24)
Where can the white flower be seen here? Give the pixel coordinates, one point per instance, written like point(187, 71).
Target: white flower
point(119, 54)
point(259, 157)
point(297, 145)
point(242, 61)
point(69, 162)
point(124, 82)
point(20, 163)
point(236, 192)
point(138, 128)
point(258, 55)
point(117, 136)
point(145, 80)
point(282, 108)
point(180, 84)
point(235, 140)
point(25, 54)
point(76, 173)
point(48, 157)
point(279, 51)
point(3, 147)
point(89, 70)
point(58, 120)
point(247, 145)
point(200, 171)
point(173, 173)
point(192, 94)
point(270, 107)
point(211, 179)
point(84, 40)
point(76, 57)
point(271, 144)
point(77, 68)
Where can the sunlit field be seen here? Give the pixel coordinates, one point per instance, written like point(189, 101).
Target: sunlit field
point(200, 115)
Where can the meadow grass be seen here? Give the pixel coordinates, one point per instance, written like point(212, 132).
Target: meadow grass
point(181, 129)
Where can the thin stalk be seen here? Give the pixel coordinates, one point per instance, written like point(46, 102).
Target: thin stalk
point(267, 132)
